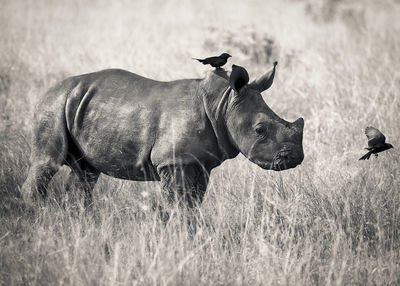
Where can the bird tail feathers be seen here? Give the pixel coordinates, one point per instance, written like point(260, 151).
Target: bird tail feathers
point(198, 60)
point(366, 156)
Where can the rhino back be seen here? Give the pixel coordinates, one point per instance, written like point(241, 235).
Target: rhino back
point(126, 125)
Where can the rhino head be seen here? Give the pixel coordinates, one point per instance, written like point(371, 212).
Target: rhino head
point(260, 134)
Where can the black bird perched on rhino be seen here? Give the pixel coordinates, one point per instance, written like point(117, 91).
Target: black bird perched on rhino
point(376, 142)
point(215, 62)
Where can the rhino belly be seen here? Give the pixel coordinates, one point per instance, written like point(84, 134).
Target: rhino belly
point(117, 158)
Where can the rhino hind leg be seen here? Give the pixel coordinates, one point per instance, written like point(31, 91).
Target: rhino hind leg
point(40, 173)
point(49, 148)
point(82, 176)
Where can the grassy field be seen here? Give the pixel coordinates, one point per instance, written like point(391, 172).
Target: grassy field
point(333, 220)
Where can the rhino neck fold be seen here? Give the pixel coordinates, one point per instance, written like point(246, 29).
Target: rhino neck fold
point(216, 105)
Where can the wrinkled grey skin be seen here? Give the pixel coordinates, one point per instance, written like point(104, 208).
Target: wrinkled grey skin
point(130, 127)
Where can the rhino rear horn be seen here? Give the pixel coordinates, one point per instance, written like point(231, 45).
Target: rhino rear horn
point(239, 78)
point(264, 81)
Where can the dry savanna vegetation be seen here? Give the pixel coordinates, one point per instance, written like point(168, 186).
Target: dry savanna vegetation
point(334, 220)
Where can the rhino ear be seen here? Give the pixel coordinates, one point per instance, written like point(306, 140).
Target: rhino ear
point(264, 81)
point(239, 78)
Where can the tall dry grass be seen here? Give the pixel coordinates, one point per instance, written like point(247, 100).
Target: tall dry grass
point(331, 221)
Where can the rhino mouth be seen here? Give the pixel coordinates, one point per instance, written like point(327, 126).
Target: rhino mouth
point(279, 162)
point(283, 160)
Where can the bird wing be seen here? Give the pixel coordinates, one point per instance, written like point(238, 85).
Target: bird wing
point(219, 62)
point(214, 61)
point(211, 60)
point(375, 137)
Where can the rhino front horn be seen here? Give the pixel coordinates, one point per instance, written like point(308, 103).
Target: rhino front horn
point(264, 81)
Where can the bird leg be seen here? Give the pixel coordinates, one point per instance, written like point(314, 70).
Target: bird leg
point(376, 155)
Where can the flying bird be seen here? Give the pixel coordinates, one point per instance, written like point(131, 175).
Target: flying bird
point(376, 142)
point(215, 62)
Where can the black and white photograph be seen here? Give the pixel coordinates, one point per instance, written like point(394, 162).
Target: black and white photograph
point(173, 142)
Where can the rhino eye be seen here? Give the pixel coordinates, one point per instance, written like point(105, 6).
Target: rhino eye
point(260, 130)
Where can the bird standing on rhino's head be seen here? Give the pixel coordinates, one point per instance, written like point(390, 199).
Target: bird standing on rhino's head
point(215, 62)
point(376, 142)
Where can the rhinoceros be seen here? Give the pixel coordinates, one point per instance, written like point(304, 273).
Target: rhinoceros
point(131, 127)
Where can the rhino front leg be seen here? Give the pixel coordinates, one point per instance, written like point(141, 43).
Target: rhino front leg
point(183, 186)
